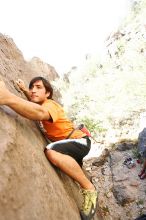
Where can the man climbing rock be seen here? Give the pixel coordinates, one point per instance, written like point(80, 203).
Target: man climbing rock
point(66, 154)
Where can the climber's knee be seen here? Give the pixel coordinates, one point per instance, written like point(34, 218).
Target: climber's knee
point(51, 156)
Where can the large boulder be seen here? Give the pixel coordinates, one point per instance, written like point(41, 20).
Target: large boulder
point(30, 187)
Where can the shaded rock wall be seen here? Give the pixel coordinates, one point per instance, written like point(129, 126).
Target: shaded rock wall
point(30, 187)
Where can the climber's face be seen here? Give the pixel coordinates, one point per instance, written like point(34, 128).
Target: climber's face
point(38, 93)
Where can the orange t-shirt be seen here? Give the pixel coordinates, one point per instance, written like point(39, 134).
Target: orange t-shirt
point(60, 126)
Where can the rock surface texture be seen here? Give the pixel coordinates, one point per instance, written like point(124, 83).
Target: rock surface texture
point(122, 193)
point(30, 187)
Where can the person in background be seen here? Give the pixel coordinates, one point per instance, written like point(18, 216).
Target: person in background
point(142, 152)
point(66, 154)
point(142, 174)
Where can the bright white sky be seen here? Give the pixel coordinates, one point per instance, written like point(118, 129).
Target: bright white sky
point(60, 32)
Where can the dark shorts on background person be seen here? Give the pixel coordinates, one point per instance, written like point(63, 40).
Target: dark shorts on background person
point(76, 148)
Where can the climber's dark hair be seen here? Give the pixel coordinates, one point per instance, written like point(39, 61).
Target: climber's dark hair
point(46, 84)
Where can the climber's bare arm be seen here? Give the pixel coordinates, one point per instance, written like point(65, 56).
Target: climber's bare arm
point(23, 107)
point(23, 88)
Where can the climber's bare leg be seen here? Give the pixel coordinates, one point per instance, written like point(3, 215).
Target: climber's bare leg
point(69, 166)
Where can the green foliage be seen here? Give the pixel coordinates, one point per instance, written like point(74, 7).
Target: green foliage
point(136, 153)
point(140, 202)
point(113, 84)
point(92, 125)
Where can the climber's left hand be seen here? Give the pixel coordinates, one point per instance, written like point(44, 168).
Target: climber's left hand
point(5, 94)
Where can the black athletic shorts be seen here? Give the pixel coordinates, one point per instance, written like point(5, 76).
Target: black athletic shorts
point(76, 148)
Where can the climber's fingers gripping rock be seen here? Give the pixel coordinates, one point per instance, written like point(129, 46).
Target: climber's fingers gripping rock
point(21, 84)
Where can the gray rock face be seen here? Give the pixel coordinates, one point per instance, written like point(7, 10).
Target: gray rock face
point(30, 187)
point(121, 195)
point(121, 192)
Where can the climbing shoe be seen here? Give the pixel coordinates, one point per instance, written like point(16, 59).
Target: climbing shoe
point(129, 162)
point(89, 204)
